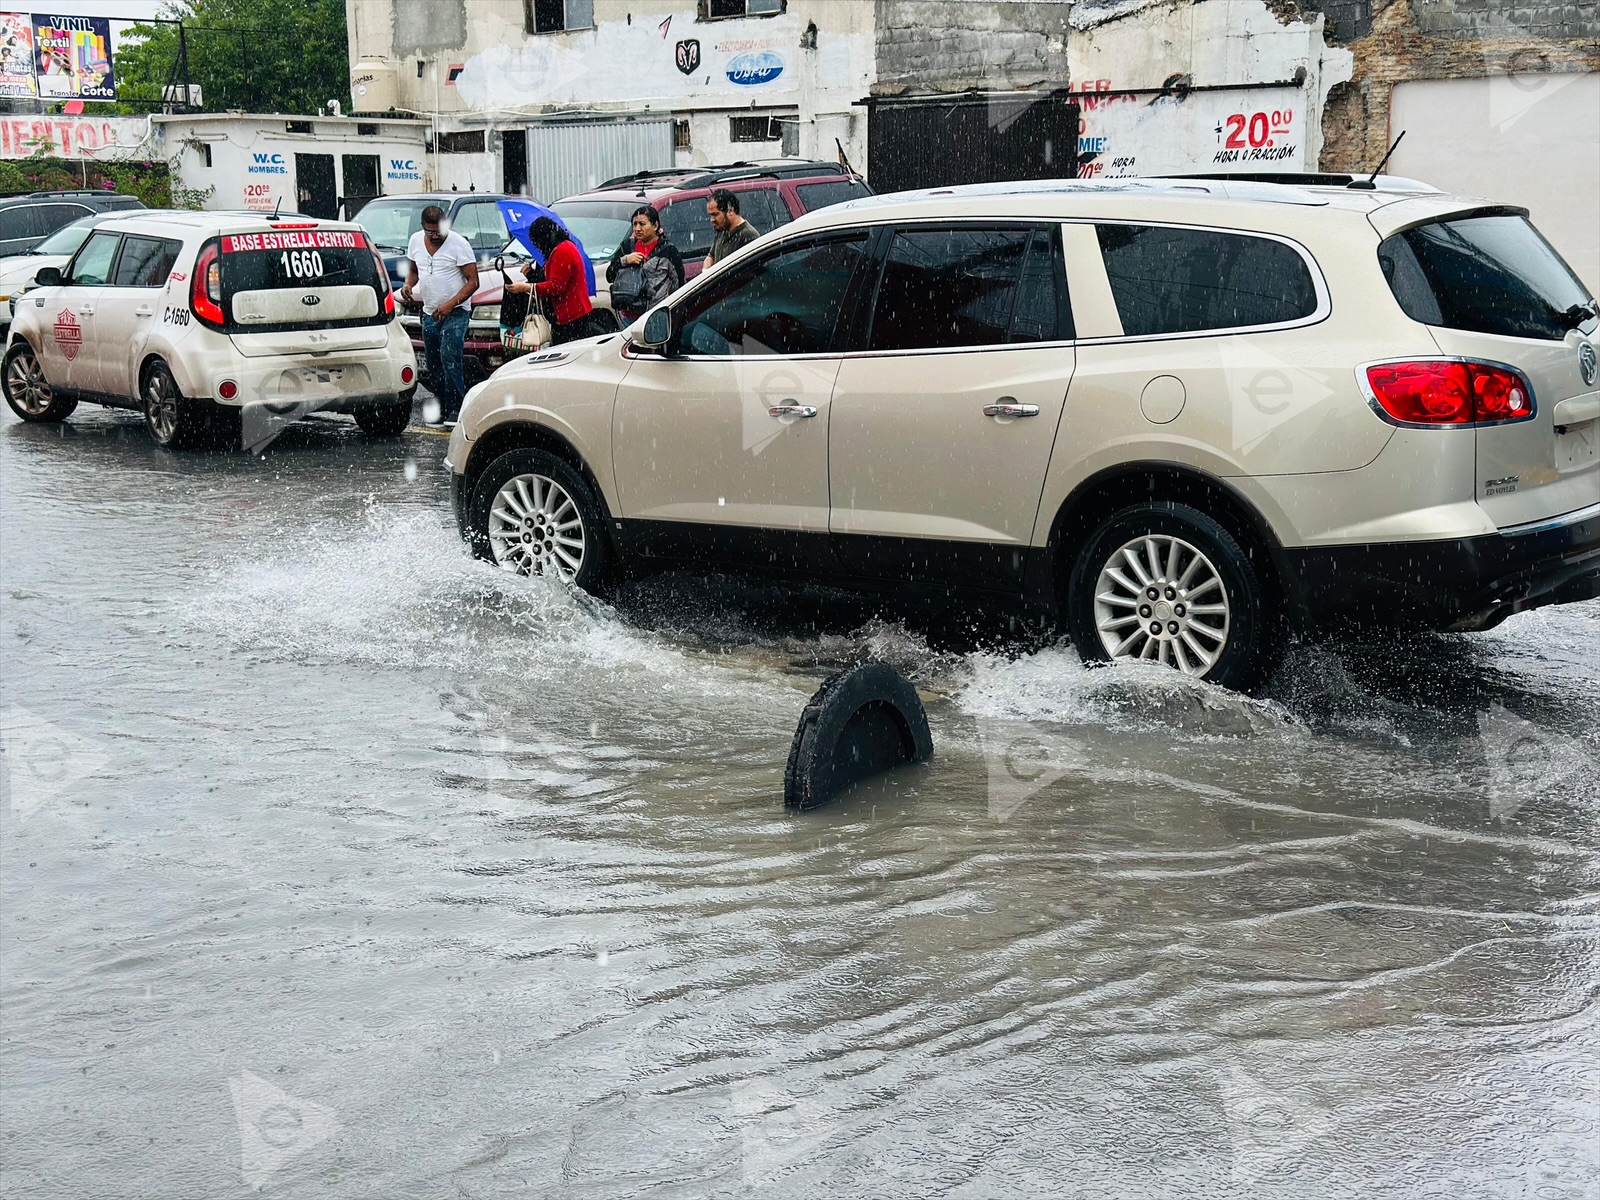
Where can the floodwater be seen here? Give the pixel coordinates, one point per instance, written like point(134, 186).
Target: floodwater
point(336, 864)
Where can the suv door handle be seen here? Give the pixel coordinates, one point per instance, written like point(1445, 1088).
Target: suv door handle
point(790, 409)
point(1008, 407)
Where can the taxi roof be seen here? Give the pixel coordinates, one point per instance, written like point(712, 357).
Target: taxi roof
point(210, 222)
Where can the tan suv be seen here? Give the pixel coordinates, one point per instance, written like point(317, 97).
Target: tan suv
point(1182, 418)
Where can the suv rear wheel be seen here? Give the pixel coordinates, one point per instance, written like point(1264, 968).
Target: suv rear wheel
point(531, 513)
point(29, 396)
point(1165, 583)
point(171, 417)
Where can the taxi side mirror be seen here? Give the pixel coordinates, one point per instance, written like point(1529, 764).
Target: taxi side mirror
point(48, 277)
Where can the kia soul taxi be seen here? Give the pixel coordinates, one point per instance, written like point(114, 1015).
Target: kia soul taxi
point(1177, 418)
point(201, 321)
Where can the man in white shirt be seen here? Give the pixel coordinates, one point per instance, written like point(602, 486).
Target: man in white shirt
point(443, 276)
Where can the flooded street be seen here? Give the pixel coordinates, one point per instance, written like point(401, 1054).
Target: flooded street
point(337, 864)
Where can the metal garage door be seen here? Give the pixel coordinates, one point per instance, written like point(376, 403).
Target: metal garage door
point(571, 157)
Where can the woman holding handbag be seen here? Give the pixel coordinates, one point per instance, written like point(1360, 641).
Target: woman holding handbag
point(563, 288)
point(645, 269)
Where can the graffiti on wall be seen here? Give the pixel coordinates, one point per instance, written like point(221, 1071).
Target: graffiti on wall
point(68, 137)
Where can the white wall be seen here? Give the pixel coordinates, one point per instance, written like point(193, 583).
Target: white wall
point(1529, 140)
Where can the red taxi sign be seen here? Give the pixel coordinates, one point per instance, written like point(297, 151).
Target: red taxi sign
point(320, 239)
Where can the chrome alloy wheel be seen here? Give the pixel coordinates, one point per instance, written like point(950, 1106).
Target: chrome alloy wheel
point(26, 386)
point(161, 406)
point(535, 528)
point(1158, 599)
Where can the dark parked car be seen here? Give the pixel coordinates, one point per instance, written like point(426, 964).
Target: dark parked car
point(771, 193)
point(25, 221)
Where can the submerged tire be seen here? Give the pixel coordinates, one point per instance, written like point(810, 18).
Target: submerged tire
point(172, 418)
point(861, 722)
point(1163, 582)
point(29, 396)
point(532, 514)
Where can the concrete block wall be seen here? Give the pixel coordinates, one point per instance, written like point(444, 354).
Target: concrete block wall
point(953, 45)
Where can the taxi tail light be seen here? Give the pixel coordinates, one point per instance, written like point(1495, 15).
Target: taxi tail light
point(205, 286)
point(295, 225)
point(407, 374)
point(383, 282)
point(228, 389)
point(1450, 393)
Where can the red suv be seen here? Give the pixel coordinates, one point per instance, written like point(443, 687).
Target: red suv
point(771, 193)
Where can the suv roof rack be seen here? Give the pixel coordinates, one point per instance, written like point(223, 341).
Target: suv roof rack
point(692, 177)
point(64, 192)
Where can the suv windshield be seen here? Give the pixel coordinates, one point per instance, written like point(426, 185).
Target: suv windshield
point(67, 239)
point(392, 222)
point(599, 224)
point(1489, 274)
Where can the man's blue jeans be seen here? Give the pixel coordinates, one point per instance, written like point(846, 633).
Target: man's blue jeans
point(442, 343)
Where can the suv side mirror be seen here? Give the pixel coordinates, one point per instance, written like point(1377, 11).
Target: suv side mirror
point(47, 277)
point(657, 329)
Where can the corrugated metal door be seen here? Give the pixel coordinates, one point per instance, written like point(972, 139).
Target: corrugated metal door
point(572, 157)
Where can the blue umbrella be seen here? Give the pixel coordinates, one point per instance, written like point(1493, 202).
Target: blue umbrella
point(520, 216)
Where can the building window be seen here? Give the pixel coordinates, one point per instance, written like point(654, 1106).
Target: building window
point(454, 73)
point(468, 141)
point(365, 130)
point(680, 135)
point(753, 129)
point(721, 10)
point(552, 16)
point(205, 154)
point(297, 127)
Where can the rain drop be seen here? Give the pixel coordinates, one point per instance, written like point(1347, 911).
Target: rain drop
point(411, 470)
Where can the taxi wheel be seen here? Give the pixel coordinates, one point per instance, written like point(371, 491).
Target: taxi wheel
point(171, 417)
point(383, 420)
point(532, 514)
point(29, 396)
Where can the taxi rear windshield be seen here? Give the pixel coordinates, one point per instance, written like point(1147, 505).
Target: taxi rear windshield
point(254, 262)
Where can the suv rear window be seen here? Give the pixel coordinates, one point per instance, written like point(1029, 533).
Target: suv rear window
point(335, 266)
point(1488, 274)
point(1177, 280)
point(819, 195)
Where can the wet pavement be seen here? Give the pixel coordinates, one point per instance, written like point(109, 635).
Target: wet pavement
point(336, 864)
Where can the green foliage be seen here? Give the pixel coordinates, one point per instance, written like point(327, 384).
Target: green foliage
point(285, 56)
point(151, 182)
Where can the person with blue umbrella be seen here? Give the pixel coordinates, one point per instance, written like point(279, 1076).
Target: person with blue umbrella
point(567, 279)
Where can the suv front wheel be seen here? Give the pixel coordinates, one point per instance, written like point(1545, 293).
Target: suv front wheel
point(27, 391)
point(532, 514)
point(1165, 583)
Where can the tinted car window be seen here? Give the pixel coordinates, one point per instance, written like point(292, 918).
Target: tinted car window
point(145, 262)
point(1485, 274)
point(764, 208)
point(819, 195)
point(14, 223)
point(483, 225)
point(1167, 280)
point(789, 302)
point(966, 287)
point(688, 226)
point(50, 217)
point(92, 267)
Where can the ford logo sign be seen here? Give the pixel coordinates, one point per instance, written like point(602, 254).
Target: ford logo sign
point(308, 301)
point(754, 67)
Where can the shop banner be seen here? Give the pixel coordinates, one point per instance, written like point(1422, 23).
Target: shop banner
point(73, 57)
point(16, 55)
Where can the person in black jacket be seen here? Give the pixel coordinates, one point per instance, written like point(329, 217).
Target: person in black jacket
point(645, 269)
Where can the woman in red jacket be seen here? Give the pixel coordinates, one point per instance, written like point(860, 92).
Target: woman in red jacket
point(565, 286)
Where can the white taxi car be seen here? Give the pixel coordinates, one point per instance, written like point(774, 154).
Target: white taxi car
point(197, 320)
point(1177, 418)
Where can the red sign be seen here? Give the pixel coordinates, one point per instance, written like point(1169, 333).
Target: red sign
point(69, 334)
point(321, 239)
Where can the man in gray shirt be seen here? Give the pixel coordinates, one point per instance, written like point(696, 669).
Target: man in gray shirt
point(733, 231)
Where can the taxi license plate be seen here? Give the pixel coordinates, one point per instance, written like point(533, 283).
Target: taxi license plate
point(315, 375)
point(1578, 446)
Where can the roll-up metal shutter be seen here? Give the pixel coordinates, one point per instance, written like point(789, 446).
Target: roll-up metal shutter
point(575, 156)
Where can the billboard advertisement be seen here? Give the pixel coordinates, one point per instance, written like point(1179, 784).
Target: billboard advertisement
point(16, 55)
point(72, 57)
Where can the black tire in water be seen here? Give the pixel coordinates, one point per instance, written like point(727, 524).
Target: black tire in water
point(531, 513)
point(29, 396)
point(174, 420)
point(384, 420)
point(1163, 582)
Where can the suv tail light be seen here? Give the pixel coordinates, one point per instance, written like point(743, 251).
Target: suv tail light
point(1448, 392)
point(205, 286)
